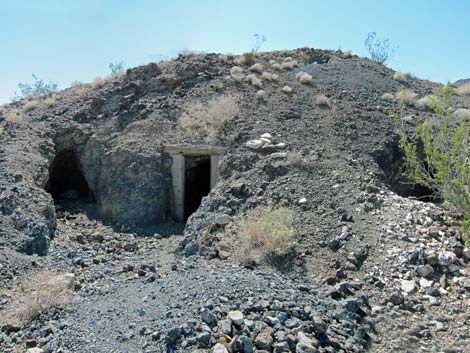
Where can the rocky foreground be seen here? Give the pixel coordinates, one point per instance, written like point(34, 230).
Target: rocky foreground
point(374, 269)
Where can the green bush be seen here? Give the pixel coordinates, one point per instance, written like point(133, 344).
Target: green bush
point(249, 57)
point(438, 157)
point(267, 233)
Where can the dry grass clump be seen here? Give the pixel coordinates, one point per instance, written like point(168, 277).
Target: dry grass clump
point(461, 113)
point(289, 63)
point(237, 73)
point(37, 293)
point(424, 103)
point(268, 76)
point(207, 119)
point(255, 81)
point(275, 65)
point(261, 95)
point(257, 68)
point(406, 97)
point(304, 77)
point(347, 54)
point(31, 105)
point(322, 101)
point(14, 117)
point(287, 90)
point(99, 82)
point(265, 233)
point(463, 90)
point(80, 88)
point(295, 159)
point(247, 58)
point(399, 76)
point(388, 97)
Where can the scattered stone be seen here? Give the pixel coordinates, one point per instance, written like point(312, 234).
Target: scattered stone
point(236, 317)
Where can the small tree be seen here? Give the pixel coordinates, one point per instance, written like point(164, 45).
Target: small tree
point(116, 67)
point(379, 50)
point(260, 39)
point(36, 89)
point(439, 156)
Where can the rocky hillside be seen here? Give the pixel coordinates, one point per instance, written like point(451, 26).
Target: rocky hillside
point(375, 267)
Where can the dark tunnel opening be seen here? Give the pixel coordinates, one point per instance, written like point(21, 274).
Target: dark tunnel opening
point(197, 182)
point(66, 179)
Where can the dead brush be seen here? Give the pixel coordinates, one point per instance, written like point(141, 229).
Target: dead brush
point(37, 293)
point(265, 233)
point(207, 119)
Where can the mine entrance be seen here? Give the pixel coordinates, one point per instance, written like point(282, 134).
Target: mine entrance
point(194, 172)
point(66, 180)
point(197, 182)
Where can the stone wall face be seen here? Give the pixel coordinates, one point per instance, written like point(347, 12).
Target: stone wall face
point(131, 185)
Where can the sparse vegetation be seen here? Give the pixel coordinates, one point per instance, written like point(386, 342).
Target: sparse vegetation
point(424, 103)
point(379, 50)
point(260, 39)
point(261, 95)
point(255, 81)
point(462, 114)
point(266, 233)
point(249, 58)
point(322, 101)
point(237, 74)
point(399, 76)
point(347, 54)
point(464, 90)
point(207, 119)
point(116, 68)
point(406, 97)
point(289, 63)
point(257, 68)
point(304, 77)
point(36, 89)
point(287, 89)
point(388, 97)
point(14, 117)
point(441, 161)
point(37, 293)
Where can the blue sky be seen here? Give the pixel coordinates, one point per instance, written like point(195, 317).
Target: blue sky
point(75, 40)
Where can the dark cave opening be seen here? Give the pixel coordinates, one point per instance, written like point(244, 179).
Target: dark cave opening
point(392, 161)
point(197, 182)
point(66, 179)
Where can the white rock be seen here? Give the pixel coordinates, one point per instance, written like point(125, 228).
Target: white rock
point(446, 258)
point(265, 140)
point(282, 145)
point(255, 144)
point(34, 350)
point(408, 286)
point(302, 201)
point(279, 155)
point(236, 316)
point(424, 283)
point(466, 253)
point(267, 135)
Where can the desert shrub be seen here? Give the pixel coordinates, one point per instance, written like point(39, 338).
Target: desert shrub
point(304, 77)
point(237, 74)
point(116, 68)
point(99, 82)
point(305, 58)
point(438, 157)
point(276, 66)
point(249, 58)
point(261, 95)
point(464, 90)
point(379, 50)
point(347, 54)
point(424, 103)
point(295, 159)
point(289, 64)
point(31, 105)
point(207, 119)
point(406, 97)
point(287, 89)
point(255, 81)
point(36, 89)
point(399, 76)
point(257, 68)
point(266, 233)
point(462, 114)
point(14, 117)
point(388, 97)
point(322, 101)
point(37, 293)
